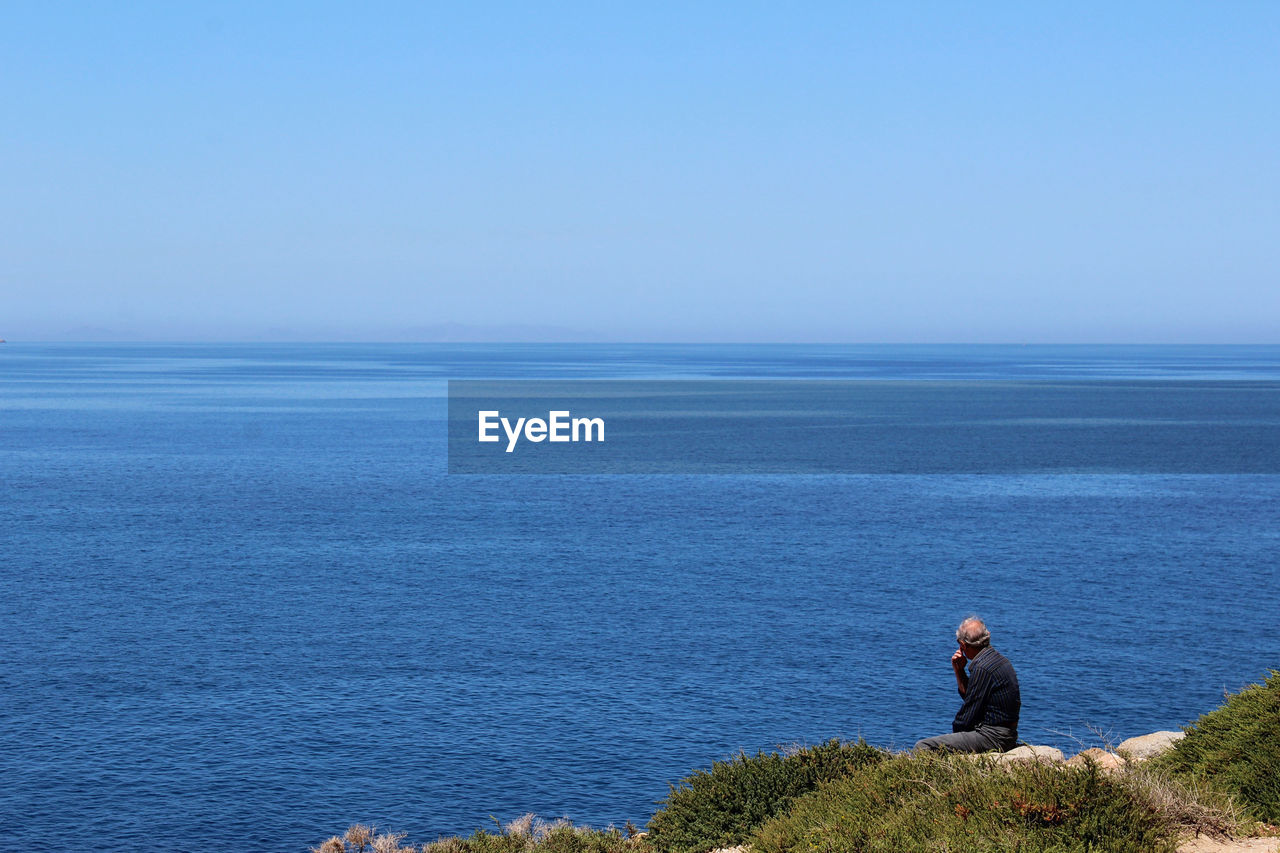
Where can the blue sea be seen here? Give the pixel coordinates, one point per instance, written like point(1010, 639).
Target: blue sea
point(245, 606)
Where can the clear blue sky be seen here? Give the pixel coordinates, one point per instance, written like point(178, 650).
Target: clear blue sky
point(777, 172)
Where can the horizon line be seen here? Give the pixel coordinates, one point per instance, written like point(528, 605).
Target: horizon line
point(633, 342)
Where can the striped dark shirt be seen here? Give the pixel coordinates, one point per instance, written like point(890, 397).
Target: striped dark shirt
point(992, 697)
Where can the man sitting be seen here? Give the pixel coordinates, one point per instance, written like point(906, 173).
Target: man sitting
point(988, 719)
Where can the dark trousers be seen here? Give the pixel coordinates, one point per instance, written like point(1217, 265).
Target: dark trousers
point(981, 739)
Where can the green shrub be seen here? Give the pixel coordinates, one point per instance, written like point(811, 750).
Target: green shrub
point(1237, 749)
point(721, 807)
point(955, 803)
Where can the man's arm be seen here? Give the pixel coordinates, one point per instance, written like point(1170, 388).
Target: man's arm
point(962, 677)
point(976, 695)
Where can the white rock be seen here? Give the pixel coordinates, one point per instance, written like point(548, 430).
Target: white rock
point(1042, 754)
point(1148, 746)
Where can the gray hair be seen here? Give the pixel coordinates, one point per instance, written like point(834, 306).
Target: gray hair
point(973, 632)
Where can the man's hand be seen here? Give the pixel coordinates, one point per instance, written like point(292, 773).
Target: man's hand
point(962, 677)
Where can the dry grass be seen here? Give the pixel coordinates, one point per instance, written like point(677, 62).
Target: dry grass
point(365, 839)
point(1188, 806)
point(525, 834)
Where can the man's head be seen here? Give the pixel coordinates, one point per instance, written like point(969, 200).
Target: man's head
point(973, 636)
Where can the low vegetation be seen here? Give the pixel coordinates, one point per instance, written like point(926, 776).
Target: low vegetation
point(1236, 749)
point(931, 802)
point(852, 798)
point(721, 807)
